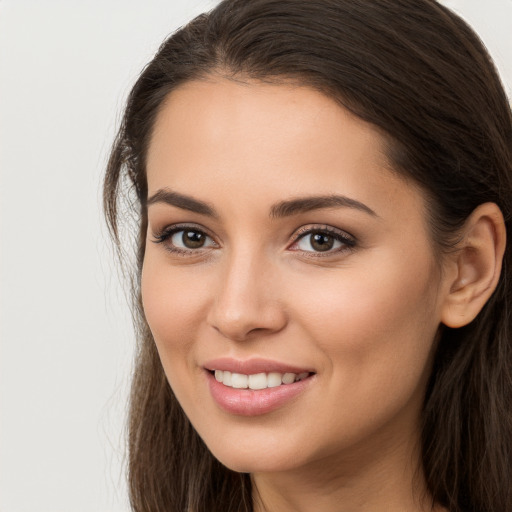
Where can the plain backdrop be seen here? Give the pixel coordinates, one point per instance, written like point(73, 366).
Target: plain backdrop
point(66, 339)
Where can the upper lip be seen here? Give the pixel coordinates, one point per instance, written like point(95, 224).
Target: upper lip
point(253, 366)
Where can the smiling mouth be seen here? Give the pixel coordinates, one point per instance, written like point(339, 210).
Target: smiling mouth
point(257, 381)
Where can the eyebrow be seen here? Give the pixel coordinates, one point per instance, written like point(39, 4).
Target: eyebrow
point(306, 204)
point(279, 210)
point(182, 201)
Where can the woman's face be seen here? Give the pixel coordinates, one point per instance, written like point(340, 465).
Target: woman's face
point(281, 246)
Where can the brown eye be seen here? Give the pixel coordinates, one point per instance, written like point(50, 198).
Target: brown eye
point(192, 239)
point(321, 241)
point(324, 240)
point(186, 240)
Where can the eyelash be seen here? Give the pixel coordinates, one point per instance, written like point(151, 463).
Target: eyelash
point(164, 235)
point(348, 241)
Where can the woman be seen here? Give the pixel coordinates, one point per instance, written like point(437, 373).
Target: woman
point(323, 302)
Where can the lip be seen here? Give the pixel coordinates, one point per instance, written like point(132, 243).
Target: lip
point(253, 366)
point(248, 402)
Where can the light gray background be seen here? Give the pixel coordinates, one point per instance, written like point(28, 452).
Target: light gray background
point(66, 339)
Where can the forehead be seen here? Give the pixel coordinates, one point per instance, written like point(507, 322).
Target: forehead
point(271, 141)
point(218, 110)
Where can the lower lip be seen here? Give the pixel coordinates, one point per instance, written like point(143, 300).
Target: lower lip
point(248, 402)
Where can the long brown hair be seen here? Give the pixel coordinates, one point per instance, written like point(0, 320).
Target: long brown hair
point(419, 73)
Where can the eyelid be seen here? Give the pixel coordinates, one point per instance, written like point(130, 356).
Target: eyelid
point(349, 241)
point(163, 235)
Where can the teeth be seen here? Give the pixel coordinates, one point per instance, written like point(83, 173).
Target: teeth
point(239, 380)
point(288, 378)
point(258, 380)
point(274, 379)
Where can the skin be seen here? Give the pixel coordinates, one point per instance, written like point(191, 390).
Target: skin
point(364, 317)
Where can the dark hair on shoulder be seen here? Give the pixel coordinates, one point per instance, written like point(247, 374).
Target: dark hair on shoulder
point(419, 73)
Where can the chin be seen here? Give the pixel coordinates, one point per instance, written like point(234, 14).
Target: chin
point(254, 463)
point(250, 456)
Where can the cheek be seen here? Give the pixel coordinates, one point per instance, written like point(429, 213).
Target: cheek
point(376, 328)
point(173, 301)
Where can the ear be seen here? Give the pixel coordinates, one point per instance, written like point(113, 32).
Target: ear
point(476, 264)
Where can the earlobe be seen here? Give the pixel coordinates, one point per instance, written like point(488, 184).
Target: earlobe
point(478, 261)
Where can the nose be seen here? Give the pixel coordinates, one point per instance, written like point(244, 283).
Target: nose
point(247, 300)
